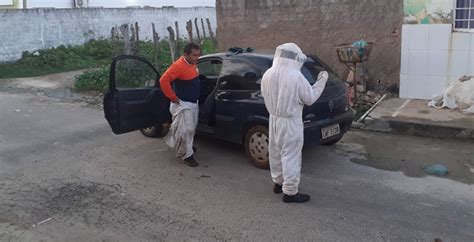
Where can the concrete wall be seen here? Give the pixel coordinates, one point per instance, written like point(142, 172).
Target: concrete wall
point(317, 26)
point(117, 3)
point(6, 4)
point(32, 29)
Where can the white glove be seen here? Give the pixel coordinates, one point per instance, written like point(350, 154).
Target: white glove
point(323, 76)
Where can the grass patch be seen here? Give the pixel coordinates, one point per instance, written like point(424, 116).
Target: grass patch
point(93, 80)
point(94, 53)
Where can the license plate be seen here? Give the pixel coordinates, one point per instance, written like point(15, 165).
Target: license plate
point(330, 131)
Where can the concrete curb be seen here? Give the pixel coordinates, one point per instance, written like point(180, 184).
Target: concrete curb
point(417, 129)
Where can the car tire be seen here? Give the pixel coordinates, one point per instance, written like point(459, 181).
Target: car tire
point(157, 131)
point(332, 142)
point(256, 146)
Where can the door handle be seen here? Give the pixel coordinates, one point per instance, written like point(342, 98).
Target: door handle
point(222, 95)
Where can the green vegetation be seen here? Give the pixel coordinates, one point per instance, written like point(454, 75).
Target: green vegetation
point(95, 55)
point(99, 79)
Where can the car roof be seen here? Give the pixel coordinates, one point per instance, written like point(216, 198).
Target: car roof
point(247, 55)
point(250, 55)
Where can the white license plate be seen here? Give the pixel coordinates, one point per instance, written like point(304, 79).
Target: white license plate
point(330, 131)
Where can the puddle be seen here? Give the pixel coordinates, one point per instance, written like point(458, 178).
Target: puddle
point(410, 155)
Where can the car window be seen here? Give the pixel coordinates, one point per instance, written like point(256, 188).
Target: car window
point(210, 68)
point(309, 73)
point(238, 75)
point(132, 73)
point(312, 69)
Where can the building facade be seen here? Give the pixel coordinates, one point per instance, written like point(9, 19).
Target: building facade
point(437, 46)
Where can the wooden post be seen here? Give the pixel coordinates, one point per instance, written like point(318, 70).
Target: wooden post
point(115, 40)
point(189, 27)
point(177, 35)
point(114, 34)
point(156, 42)
point(126, 39)
point(133, 40)
point(203, 29)
point(137, 30)
point(211, 33)
point(172, 41)
point(197, 30)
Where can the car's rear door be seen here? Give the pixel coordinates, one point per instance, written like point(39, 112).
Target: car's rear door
point(238, 98)
point(133, 101)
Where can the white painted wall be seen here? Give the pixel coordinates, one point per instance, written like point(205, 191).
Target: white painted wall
point(33, 29)
point(6, 2)
point(50, 3)
point(432, 57)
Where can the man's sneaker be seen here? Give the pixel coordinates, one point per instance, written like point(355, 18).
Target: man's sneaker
point(278, 189)
point(190, 161)
point(298, 198)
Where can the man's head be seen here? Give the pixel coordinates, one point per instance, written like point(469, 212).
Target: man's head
point(192, 51)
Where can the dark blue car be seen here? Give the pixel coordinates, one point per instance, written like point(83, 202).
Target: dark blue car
point(231, 105)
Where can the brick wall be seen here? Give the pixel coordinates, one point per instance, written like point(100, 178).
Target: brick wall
point(317, 26)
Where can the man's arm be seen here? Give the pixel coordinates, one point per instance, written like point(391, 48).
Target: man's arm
point(310, 94)
point(165, 83)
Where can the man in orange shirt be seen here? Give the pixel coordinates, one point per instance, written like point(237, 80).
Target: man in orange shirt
point(181, 85)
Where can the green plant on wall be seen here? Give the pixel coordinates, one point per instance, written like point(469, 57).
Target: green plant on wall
point(415, 10)
point(428, 11)
point(414, 7)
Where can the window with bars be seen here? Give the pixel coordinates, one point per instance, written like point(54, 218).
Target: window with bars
point(464, 15)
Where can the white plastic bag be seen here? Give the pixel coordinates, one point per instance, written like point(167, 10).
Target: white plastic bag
point(460, 94)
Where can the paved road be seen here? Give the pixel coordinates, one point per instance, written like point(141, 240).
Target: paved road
point(59, 160)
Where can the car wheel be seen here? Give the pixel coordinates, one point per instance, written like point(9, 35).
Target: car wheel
point(157, 131)
point(256, 146)
point(332, 142)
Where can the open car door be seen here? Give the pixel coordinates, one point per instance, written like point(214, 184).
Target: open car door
point(133, 101)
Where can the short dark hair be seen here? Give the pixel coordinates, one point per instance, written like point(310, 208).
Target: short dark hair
point(188, 49)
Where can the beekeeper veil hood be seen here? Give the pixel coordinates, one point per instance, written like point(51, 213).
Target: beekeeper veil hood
point(289, 55)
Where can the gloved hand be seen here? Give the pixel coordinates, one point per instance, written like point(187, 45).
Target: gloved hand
point(323, 76)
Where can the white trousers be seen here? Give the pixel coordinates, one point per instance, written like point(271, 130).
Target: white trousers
point(286, 143)
point(183, 128)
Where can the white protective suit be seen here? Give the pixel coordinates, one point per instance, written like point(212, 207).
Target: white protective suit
point(286, 91)
point(182, 130)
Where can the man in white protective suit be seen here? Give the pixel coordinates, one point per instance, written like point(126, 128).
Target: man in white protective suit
point(286, 91)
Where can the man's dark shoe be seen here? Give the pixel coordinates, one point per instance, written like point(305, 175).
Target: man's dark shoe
point(190, 161)
point(278, 189)
point(298, 198)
